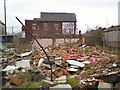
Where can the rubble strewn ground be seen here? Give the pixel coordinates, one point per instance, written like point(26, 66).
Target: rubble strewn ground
point(80, 66)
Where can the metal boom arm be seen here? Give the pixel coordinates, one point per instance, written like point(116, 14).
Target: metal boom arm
point(38, 44)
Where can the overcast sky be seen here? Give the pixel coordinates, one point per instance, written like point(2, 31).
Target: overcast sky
point(89, 13)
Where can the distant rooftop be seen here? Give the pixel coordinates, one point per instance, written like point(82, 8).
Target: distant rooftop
point(56, 16)
point(113, 28)
point(1, 22)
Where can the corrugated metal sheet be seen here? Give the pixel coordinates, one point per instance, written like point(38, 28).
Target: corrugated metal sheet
point(118, 35)
point(111, 36)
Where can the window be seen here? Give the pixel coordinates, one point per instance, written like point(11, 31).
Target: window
point(56, 26)
point(45, 26)
point(34, 26)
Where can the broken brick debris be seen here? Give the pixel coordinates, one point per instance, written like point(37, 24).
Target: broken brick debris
point(88, 62)
point(15, 80)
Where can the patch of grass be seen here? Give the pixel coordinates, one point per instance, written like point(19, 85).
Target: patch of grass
point(34, 85)
point(112, 50)
point(86, 50)
point(9, 45)
point(73, 82)
point(28, 85)
point(24, 86)
point(37, 84)
point(115, 51)
point(30, 75)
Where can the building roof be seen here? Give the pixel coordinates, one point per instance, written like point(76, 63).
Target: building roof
point(50, 16)
point(113, 28)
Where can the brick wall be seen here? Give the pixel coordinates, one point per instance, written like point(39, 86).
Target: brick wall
point(48, 41)
point(41, 32)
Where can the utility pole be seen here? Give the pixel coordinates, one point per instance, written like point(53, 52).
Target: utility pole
point(5, 20)
point(87, 27)
point(12, 30)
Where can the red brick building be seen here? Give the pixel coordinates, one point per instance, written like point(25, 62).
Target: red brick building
point(51, 25)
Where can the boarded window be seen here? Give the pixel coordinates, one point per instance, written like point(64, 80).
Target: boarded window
point(45, 26)
point(68, 27)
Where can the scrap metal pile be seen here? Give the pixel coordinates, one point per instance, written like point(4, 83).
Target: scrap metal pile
point(88, 63)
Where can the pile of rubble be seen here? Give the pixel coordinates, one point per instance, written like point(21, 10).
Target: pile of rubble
point(89, 64)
